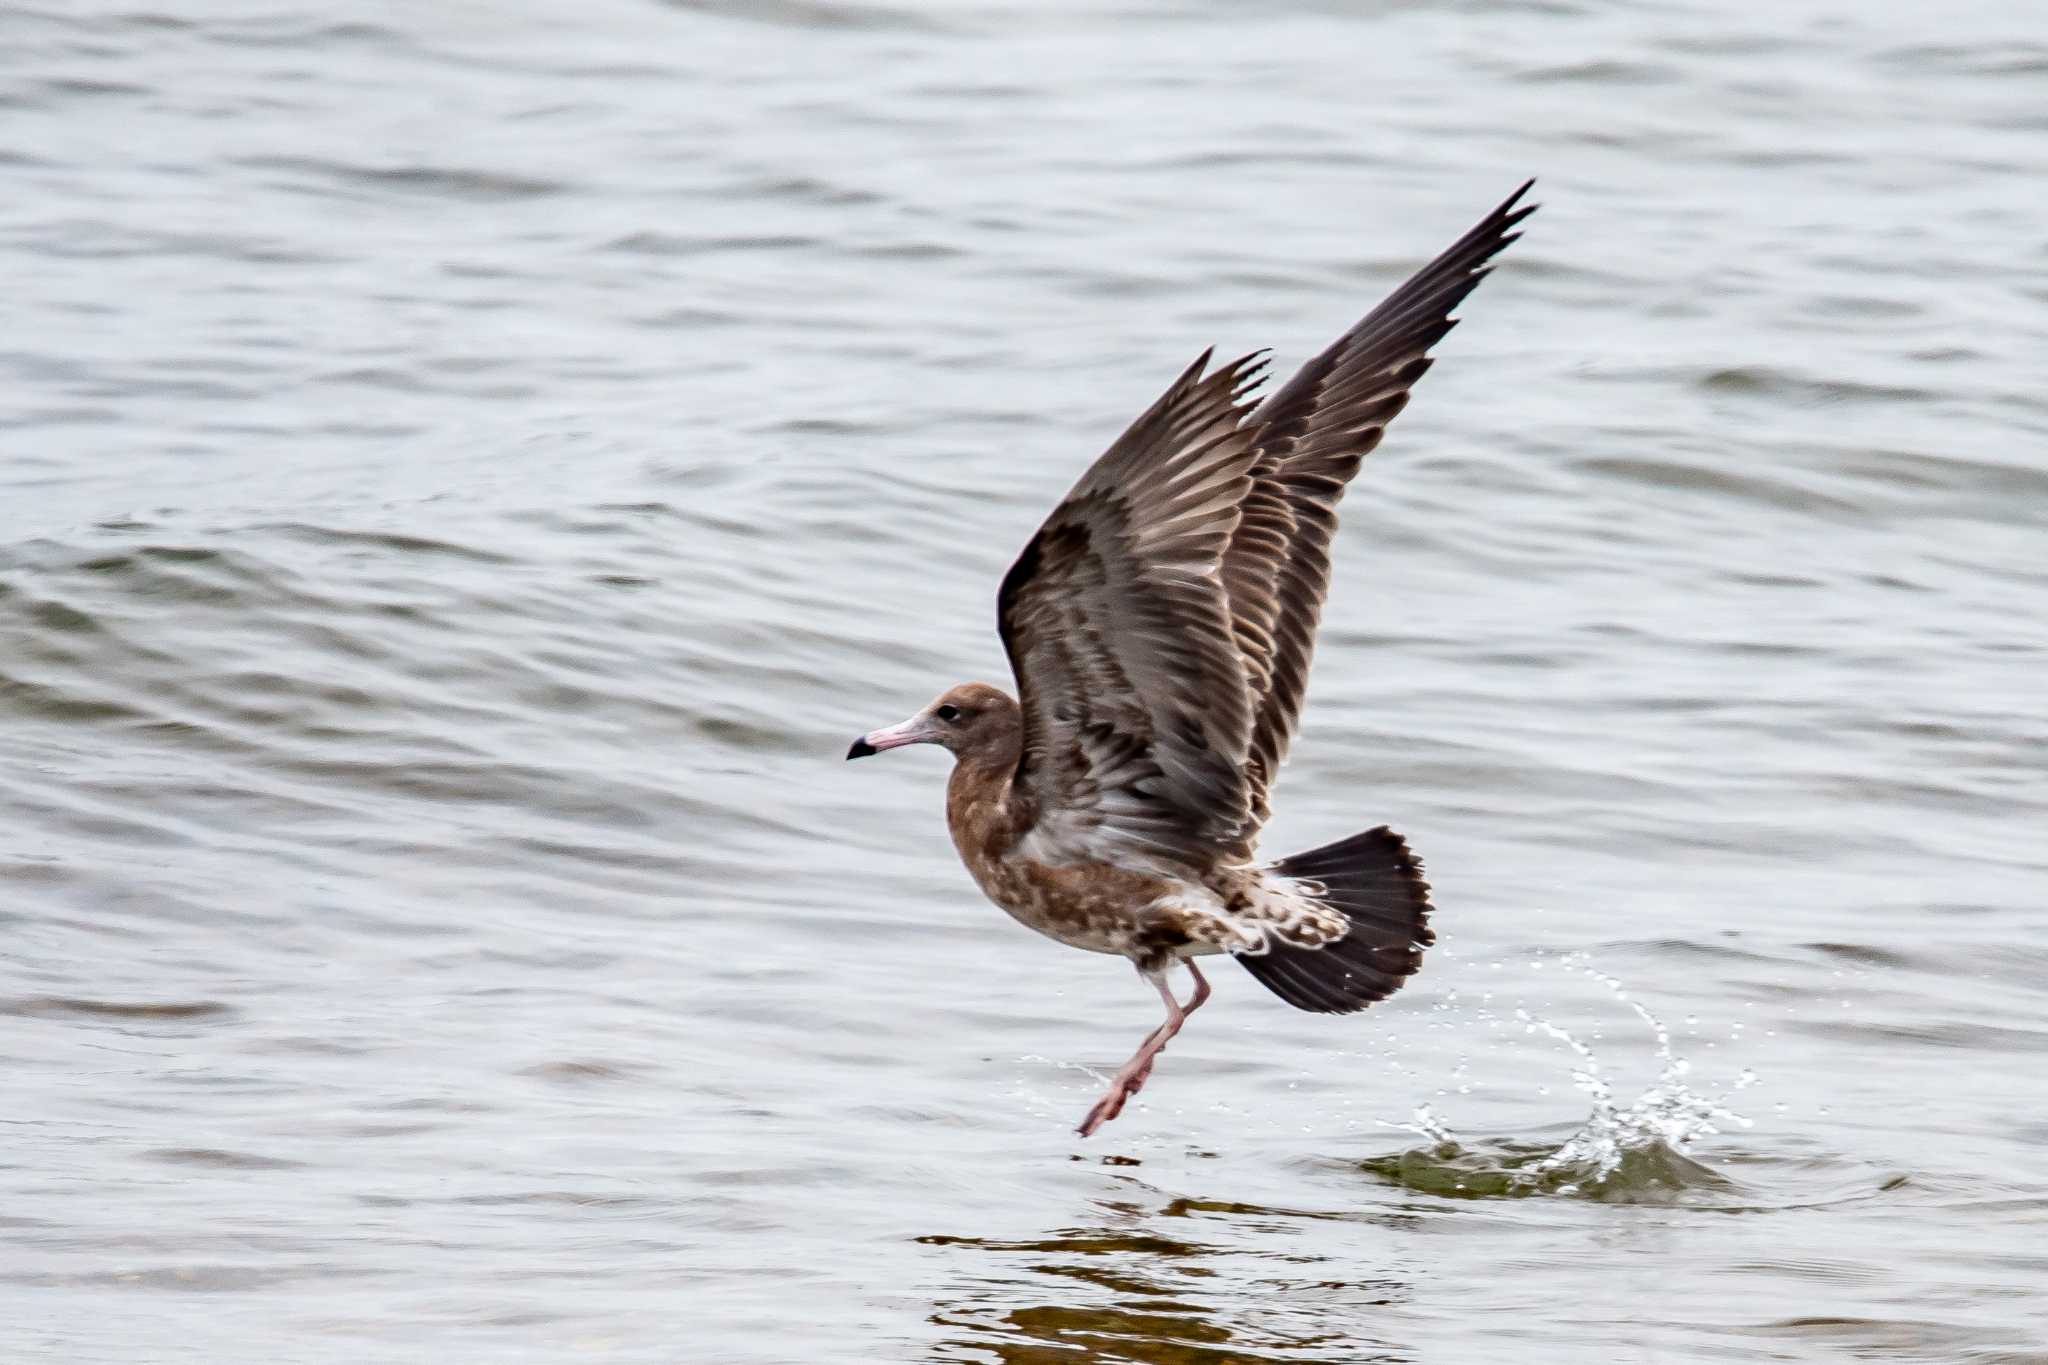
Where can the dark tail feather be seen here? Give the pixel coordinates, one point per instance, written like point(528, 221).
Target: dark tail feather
point(1377, 883)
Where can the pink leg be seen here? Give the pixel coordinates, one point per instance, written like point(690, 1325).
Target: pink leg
point(1150, 1051)
point(1131, 1078)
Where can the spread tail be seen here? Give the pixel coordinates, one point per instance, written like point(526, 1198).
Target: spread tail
point(1377, 884)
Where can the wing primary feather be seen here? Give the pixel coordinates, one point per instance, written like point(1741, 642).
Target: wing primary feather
point(1313, 433)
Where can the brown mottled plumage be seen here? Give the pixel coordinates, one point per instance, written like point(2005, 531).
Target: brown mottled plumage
point(1160, 625)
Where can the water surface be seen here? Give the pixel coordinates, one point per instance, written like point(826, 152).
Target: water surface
point(468, 471)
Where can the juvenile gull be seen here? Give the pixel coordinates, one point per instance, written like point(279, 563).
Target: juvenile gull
point(1160, 626)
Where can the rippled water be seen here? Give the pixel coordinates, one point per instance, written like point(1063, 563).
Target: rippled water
point(469, 469)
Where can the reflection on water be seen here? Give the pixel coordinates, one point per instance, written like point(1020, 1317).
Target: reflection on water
point(1164, 1281)
point(1153, 1273)
point(1148, 1275)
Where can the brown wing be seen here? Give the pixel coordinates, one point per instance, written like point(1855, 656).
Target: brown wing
point(1137, 721)
point(1311, 436)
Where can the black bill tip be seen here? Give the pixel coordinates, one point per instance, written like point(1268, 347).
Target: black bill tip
point(861, 749)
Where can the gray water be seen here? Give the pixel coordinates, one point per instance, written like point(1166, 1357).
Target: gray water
point(469, 469)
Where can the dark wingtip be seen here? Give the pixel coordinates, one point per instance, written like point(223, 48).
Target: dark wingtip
point(861, 749)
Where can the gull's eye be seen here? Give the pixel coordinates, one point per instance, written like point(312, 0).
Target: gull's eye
point(948, 713)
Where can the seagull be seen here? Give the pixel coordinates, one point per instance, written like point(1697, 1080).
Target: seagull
point(1160, 626)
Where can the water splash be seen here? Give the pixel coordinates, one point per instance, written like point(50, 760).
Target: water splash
point(1621, 1152)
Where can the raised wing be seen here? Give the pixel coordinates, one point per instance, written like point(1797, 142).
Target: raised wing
point(1310, 438)
point(1137, 722)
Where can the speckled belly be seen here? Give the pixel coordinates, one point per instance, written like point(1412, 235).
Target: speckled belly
point(1107, 909)
point(1087, 905)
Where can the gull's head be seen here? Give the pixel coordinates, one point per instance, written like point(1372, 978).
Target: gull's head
point(971, 720)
